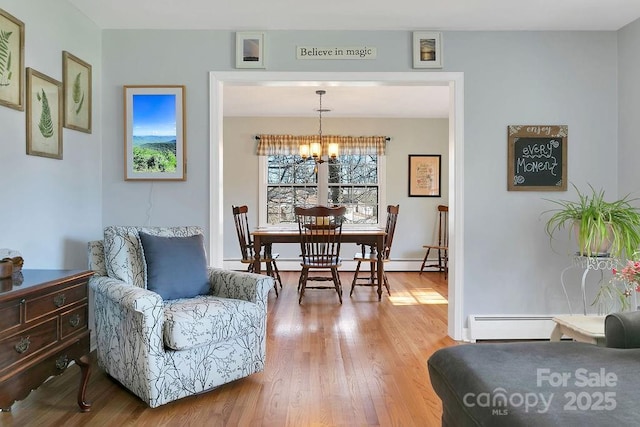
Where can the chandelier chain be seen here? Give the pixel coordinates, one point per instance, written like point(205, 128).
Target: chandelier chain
point(320, 110)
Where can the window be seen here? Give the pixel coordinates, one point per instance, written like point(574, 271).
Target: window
point(290, 182)
point(355, 181)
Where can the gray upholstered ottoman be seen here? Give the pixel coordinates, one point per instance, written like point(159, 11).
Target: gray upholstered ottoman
point(543, 383)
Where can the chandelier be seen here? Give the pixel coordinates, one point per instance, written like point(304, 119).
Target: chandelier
point(314, 150)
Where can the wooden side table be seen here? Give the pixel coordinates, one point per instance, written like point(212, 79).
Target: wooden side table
point(589, 329)
point(43, 327)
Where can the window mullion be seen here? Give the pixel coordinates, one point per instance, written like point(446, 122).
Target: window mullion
point(262, 191)
point(323, 186)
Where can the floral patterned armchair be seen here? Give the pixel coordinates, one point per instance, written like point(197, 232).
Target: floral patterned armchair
point(163, 350)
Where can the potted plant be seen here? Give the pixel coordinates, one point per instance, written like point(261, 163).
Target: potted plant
point(617, 292)
point(598, 224)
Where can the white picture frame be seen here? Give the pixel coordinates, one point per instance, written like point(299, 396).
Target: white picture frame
point(427, 49)
point(250, 49)
point(155, 147)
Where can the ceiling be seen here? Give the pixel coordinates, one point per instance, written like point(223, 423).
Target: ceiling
point(441, 15)
point(343, 101)
point(407, 15)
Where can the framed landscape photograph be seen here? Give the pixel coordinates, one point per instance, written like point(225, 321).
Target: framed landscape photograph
point(44, 115)
point(11, 61)
point(250, 50)
point(425, 175)
point(76, 80)
point(427, 49)
point(154, 133)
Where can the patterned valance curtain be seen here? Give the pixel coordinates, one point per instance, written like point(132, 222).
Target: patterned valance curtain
point(269, 145)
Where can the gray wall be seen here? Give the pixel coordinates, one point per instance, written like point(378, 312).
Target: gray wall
point(509, 77)
point(409, 136)
point(51, 208)
point(565, 78)
point(159, 58)
point(629, 109)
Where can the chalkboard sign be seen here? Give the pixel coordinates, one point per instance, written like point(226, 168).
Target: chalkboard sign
point(537, 158)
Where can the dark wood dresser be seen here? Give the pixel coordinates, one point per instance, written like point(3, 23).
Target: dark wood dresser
point(43, 326)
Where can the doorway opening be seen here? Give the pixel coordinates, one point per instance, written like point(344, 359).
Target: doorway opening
point(455, 83)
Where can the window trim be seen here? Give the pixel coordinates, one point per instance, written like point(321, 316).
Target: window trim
point(382, 194)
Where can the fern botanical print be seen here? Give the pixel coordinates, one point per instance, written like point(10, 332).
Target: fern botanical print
point(11, 61)
point(5, 58)
point(46, 124)
point(44, 121)
point(77, 94)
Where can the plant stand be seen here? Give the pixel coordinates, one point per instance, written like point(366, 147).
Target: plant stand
point(587, 264)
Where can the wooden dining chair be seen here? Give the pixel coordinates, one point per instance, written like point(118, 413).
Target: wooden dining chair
point(320, 229)
point(247, 250)
point(371, 256)
point(442, 245)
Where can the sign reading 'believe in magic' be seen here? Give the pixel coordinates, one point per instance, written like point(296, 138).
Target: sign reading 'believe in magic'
point(356, 52)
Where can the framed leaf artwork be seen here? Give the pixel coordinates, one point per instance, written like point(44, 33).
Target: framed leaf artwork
point(11, 61)
point(154, 133)
point(44, 115)
point(76, 79)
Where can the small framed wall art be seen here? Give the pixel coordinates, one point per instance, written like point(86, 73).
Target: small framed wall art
point(11, 61)
point(154, 133)
point(44, 115)
point(427, 49)
point(76, 80)
point(537, 156)
point(250, 49)
point(425, 175)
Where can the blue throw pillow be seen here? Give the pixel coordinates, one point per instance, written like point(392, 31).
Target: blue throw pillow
point(176, 266)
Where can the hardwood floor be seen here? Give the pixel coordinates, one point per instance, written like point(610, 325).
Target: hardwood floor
point(362, 363)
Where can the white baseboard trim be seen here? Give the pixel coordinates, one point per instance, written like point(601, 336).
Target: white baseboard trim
point(509, 327)
point(347, 265)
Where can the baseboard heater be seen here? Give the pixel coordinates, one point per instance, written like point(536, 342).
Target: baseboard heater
point(510, 327)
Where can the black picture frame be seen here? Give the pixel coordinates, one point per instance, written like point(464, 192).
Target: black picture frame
point(425, 175)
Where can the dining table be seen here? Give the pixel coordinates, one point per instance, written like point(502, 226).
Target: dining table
point(267, 236)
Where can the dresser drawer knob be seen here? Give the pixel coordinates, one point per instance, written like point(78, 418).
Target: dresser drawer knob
point(59, 300)
point(23, 345)
point(74, 320)
point(62, 362)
